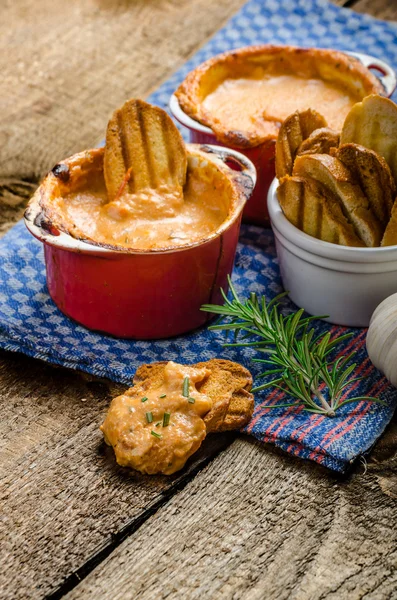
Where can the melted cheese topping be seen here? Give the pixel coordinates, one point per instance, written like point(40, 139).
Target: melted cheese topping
point(244, 104)
point(159, 218)
point(128, 430)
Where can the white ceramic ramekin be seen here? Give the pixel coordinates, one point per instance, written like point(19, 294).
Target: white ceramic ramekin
point(343, 282)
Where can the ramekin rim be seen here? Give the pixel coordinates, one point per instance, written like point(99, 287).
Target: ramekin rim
point(315, 246)
point(64, 240)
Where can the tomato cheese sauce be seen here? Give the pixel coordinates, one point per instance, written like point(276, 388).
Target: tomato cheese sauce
point(244, 104)
point(154, 218)
point(156, 430)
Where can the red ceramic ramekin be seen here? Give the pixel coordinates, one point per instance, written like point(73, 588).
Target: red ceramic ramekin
point(145, 294)
point(263, 156)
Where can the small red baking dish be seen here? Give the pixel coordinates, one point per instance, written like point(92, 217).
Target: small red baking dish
point(263, 155)
point(141, 294)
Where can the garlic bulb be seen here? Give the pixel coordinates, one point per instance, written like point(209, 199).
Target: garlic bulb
point(382, 338)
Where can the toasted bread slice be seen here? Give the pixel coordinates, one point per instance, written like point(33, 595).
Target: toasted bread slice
point(372, 172)
point(390, 235)
point(296, 128)
point(372, 123)
point(320, 141)
point(228, 385)
point(144, 150)
point(315, 211)
point(337, 179)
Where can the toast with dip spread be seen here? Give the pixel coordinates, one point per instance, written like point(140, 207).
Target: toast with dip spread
point(157, 424)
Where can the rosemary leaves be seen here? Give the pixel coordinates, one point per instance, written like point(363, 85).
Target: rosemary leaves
point(297, 361)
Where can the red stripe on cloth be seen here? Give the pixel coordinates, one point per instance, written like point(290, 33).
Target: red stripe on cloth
point(313, 421)
point(334, 329)
point(361, 368)
point(365, 405)
point(378, 388)
point(317, 419)
point(276, 395)
point(283, 422)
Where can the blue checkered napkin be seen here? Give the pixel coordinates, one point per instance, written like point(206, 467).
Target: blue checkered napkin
point(31, 323)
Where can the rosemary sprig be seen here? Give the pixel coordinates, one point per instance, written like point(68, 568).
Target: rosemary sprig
point(297, 360)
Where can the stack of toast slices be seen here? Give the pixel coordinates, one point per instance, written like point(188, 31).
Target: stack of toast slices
point(341, 188)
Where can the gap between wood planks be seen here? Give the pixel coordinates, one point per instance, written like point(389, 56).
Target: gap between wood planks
point(221, 442)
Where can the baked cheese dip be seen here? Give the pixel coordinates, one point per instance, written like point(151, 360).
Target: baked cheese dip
point(77, 202)
point(244, 95)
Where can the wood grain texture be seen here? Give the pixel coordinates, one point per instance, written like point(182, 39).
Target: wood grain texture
point(255, 524)
point(67, 65)
point(382, 9)
point(63, 497)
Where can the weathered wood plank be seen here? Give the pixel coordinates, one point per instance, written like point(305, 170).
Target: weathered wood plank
point(63, 497)
point(256, 524)
point(66, 66)
point(382, 9)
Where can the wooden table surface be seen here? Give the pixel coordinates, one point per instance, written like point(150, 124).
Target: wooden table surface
point(244, 521)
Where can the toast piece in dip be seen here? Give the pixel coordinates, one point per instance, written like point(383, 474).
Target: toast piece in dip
point(244, 95)
point(144, 191)
point(144, 153)
point(156, 425)
point(159, 220)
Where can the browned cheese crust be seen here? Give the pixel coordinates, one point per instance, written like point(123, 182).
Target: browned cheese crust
point(329, 65)
point(228, 385)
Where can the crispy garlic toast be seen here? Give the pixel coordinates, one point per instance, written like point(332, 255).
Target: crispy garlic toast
point(372, 173)
point(390, 235)
point(144, 150)
point(317, 212)
point(293, 131)
point(372, 123)
point(228, 386)
point(320, 141)
point(338, 180)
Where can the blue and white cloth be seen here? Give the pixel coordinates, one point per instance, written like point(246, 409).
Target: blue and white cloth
point(32, 324)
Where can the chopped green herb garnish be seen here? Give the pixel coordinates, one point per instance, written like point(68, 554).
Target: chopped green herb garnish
point(191, 400)
point(158, 424)
point(185, 389)
point(162, 396)
point(144, 399)
point(166, 419)
point(157, 435)
point(149, 417)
